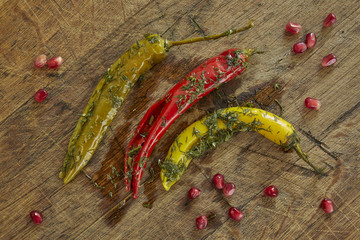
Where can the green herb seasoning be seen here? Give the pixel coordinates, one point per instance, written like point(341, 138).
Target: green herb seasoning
point(172, 170)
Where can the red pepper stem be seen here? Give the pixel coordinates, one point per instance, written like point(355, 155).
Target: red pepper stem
point(251, 51)
point(211, 37)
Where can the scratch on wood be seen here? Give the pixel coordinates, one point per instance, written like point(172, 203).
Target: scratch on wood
point(63, 35)
point(176, 21)
point(285, 217)
point(336, 176)
point(123, 9)
point(263, 233)
point(196, 25)
point(28, 19)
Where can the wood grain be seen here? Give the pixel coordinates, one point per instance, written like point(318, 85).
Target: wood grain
point(91, 35)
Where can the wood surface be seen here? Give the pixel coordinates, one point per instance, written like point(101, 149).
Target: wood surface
point(91, 35)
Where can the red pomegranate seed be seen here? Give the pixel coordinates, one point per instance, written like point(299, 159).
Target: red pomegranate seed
point(219, 181)
point(327, 205)
point(40, 95)
point(55, 62)
point(310, 40)
point(329, 20)
point(328, 60)
point(36, 217)
point(293, 27)
point(312, 103)
point(271, 191)
point(235, 214)
point(299, 47)
point(201, 222)
point(40, 61)
point(229, 189)
point(194, 192)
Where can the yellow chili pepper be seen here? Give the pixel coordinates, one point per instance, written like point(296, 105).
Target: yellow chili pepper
point(218, 127)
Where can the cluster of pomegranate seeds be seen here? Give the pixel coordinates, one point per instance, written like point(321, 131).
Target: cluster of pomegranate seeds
point(235, 214)
point(55, 62)
point(40, 61)
point(229, 189)
point(194, 192)
point(329, 20)
point(293, 27)
point(310, 40)
point(36, 217)
point(201, 222)
point(328, 60)
point(312, 103)
point(219, 181)
point(40, 95)
point(327, 205)
point(271, 191)
point(299, 47)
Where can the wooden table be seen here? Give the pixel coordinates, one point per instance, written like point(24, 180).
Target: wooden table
point(90, 36)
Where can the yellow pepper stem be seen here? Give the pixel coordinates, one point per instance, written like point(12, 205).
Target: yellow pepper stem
point(305, 157)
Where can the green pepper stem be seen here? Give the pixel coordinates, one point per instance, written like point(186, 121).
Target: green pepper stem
point(170, 44)
point(251, 51)
point(281, 107)
point(305, 157)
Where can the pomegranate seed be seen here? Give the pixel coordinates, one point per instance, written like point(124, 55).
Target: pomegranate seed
point(328, 60)
point(299, 47)
point(310, 40)
point(219, 181)
point(293, 27)
point(40, 95)
point(55, 62)
point(329, 20)
point(201, 222)
point(327, 205)
point(194, 192)
point(229, 189)
point(271, 191)
point(312, 103)
point(235, 214)
point(40, 61)
point(36, 217)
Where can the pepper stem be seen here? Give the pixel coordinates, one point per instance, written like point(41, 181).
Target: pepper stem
point(251, 51)
point(170, 44)
point(305, 157)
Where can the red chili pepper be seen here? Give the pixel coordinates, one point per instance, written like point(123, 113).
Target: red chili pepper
point(197, 84)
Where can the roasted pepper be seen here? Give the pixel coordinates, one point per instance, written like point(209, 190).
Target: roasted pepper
point(218, 127)
point(198, 83)
point(110, 93)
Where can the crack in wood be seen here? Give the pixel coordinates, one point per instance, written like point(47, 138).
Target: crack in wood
point(293, 164)
point(342, 118)
point(320, 144)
